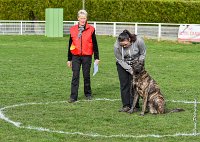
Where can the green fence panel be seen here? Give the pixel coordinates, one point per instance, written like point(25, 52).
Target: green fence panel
point(54, 22)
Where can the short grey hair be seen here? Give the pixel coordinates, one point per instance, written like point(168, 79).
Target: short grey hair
point(82, 12)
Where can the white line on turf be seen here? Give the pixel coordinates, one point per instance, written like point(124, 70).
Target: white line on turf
point(19, 124)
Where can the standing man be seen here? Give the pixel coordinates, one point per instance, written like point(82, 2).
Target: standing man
point(82, 45)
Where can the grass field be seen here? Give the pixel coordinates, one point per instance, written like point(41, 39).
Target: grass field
point(35, 85)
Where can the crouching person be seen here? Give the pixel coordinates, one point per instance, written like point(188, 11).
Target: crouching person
point(127, 49)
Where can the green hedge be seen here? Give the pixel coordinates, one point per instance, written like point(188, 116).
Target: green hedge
point(155, 11)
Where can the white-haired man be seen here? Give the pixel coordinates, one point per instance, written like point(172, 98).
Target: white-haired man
point(82, 45)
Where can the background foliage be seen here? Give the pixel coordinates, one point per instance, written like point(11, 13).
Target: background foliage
point(161, 11)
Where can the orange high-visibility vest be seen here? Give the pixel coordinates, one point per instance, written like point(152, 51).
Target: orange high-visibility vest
point(83, 45)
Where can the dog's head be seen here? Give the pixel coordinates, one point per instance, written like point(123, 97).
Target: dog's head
point(138, 67)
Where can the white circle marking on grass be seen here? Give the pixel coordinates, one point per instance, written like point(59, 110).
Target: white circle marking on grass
point(19, 124)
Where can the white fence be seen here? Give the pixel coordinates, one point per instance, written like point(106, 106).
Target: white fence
point(160, 31)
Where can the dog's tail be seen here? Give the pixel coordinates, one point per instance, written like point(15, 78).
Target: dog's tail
point(175, 110)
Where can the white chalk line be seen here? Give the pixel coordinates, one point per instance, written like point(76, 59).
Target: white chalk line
point(19, 124)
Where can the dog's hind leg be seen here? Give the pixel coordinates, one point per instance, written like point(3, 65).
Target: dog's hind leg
point(152, 109)
point(160, 104)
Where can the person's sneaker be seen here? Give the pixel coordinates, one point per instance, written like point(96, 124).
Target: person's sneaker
point(71, 100)
point(89, 98)
point(124, 109)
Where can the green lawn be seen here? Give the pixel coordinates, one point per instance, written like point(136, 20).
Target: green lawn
point(35, 85)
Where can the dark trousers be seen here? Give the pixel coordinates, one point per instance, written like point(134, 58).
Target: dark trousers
point(126, 87)
point(77, 62)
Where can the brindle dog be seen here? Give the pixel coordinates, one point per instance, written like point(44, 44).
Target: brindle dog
point(148, 89)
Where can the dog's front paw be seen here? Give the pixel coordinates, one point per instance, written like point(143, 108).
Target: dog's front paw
point(142, 114)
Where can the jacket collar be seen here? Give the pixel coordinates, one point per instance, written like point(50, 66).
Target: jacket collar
point(86, 26)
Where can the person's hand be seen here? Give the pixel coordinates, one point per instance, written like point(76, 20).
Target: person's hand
point(69, 64)
point(97, 61)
